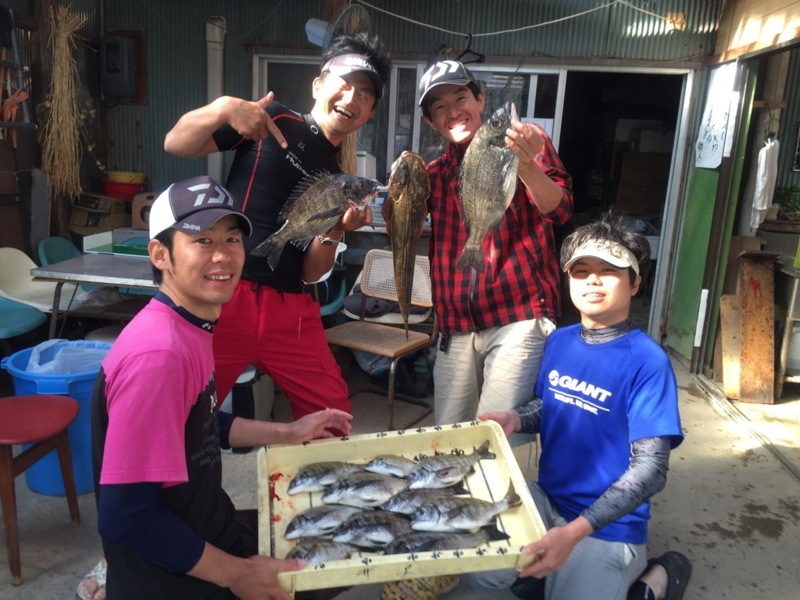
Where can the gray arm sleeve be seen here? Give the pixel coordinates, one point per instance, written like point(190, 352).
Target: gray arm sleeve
point(530, 416)
point(645, 477)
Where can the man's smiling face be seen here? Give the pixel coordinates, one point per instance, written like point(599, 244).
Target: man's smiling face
point(343, 104)
point(455, 112)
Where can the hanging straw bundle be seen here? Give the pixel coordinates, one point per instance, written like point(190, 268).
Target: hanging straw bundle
point(347, 153)
point(61, 150)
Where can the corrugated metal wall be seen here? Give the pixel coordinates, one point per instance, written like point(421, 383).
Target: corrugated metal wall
point(176, 70)
point(598, 32)
point(176, 56)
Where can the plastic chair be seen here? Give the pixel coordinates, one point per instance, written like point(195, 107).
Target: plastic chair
point(377, 281)
point(16, 282)
point(335, 303)
point(17, 318)
point(56, 249)
point(40, 420)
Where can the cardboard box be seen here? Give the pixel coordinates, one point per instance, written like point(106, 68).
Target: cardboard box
point(140, 210)
point(655, 141)
point(278, 464)
point(94, 213)
point(645, 168)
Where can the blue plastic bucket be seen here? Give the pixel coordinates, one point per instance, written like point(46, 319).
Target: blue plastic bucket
point(44, 477)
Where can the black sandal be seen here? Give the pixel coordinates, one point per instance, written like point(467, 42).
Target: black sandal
point(679, 571)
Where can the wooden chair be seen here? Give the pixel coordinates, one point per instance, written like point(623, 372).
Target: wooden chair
point(377, 281)
point(42, 421)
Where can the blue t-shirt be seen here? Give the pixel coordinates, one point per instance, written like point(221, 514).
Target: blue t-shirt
point(596, 400)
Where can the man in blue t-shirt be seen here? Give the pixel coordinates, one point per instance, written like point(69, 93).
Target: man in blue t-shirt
point(606, 407)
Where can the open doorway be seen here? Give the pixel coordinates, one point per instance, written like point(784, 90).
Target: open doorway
point(617, 139)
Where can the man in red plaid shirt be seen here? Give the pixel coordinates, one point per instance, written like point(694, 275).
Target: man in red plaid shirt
point(494, 324)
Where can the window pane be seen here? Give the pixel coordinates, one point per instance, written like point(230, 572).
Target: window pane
point(291, 83)
point(372, 136)
point(498, 90)
point(406, 83)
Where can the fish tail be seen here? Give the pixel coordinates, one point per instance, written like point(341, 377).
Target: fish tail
point(512, 499)
point(274, 256)
point(494, 534)
point(471, 256)
point(483, 450)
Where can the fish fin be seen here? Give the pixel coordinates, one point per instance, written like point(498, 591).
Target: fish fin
point(507, 181)
point(303, 185)
point(267, 247)
point(302, 244)
point(495, 535)
point(483, 450)
point(459, 489)
point(471, 257)
point(512, 497)
point(336, 211)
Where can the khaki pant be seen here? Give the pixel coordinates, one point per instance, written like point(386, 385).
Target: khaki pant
point(490, 371)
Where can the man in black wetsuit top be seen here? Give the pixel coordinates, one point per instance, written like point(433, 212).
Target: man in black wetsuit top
point(271, 322)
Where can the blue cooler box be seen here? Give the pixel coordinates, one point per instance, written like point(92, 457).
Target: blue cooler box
point(44, 476)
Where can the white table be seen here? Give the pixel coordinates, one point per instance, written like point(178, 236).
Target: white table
point(99, 269)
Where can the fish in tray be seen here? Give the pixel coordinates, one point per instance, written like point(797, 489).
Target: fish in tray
point(391, 464)
point(444, 470)
point(429, 541)
point(319, 520)
point(373, 529)
point(461, 514)
point(488, 183)
point(409, 187)
point(314, 208)
point(363, 490)
point(408, 501)
point(317, 476)
point(321, 550)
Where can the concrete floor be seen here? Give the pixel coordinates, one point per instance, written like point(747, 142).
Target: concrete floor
point(732, 502)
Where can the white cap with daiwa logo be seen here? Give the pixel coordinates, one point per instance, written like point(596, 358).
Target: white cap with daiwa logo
point(192, 206)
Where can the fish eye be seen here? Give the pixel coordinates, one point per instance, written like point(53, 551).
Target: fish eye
point(496, 122)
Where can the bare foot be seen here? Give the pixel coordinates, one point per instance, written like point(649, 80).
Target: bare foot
point(93, 584)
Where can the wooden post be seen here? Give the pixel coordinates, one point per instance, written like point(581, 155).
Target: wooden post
point(756, 291)
point(731, 349)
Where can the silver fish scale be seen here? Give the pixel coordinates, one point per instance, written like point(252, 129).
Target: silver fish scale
point(428, 541)
point(459, 514)
point(321, 550)
point(363, 490)
point(319, 520)
point(444, 470)
point(372, 529)
point(488, 182)
point(408, 501)
point(389, 464)
point(317, 476)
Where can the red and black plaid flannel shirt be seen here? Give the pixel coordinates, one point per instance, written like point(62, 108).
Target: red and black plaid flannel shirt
point(521, 278)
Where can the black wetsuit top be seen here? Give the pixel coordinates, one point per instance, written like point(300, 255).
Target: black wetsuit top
point(262, 178)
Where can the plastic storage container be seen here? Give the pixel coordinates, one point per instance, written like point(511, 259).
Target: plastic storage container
point(278, 464)
point(44, 476)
